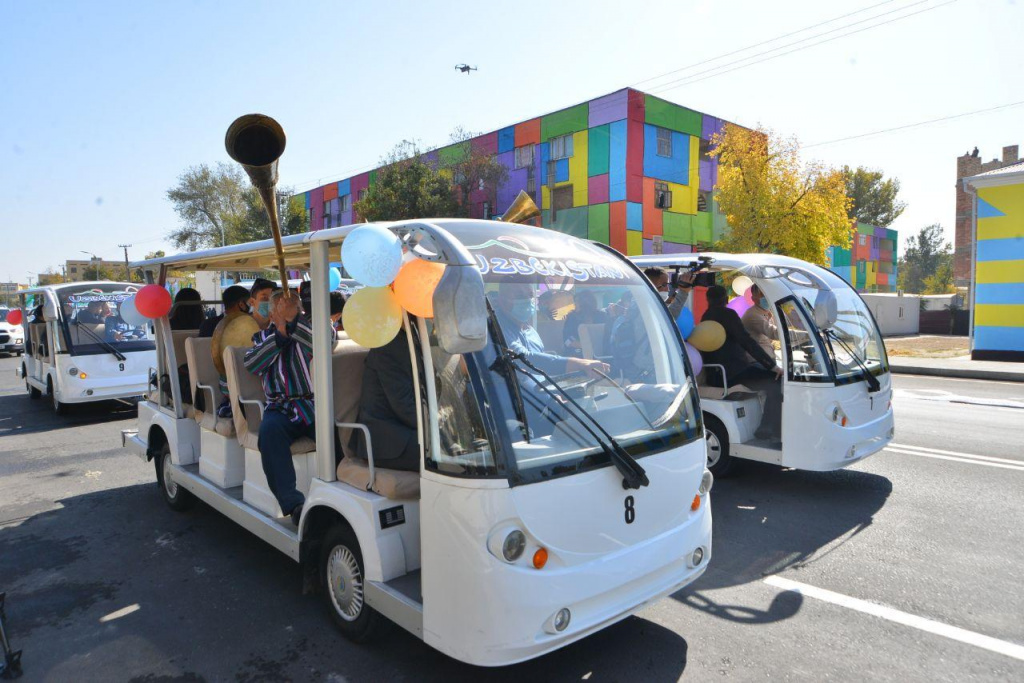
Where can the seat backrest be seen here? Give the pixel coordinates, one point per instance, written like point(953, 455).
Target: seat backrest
point(243, 384)
point(592, 340)
point(202, 371)
point(178, 338)
point(550, 332)
point(347, 363)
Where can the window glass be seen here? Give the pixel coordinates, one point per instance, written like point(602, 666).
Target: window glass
point(91, 317)
point(561, 147)
point(806, 362)
point(664, 142)
point(524, 156)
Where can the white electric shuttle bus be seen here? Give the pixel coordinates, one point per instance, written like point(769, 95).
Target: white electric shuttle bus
point(548, 504)
point(77, 348)
point(837, 388)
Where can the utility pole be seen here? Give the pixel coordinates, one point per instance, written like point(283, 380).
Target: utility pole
point(127, 272)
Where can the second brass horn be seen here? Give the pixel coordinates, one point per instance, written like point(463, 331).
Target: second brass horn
point(521, 210)
point(256, 142)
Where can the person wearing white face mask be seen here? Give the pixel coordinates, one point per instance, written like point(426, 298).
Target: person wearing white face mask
point(759, 323)
point(674, 298)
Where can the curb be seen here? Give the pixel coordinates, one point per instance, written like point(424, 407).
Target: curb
point(961, 373)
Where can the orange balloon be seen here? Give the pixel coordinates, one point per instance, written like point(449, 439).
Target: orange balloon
point(415, 285)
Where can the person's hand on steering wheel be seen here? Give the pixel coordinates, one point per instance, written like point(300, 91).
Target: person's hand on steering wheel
point(587, 365)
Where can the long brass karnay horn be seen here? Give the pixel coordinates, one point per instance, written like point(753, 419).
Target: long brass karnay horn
point(256, 142)
point(521, 210)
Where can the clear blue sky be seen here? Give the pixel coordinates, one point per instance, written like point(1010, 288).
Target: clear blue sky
point(103, 104)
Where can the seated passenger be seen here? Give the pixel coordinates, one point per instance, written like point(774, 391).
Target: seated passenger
point(281, 356)
point(763, 376)
point(259, 300)
point(234, 298)
point(187, 316)
point(92, 315)
point(758, 321)
point(387, 407)
point(115, 328)
point(585, 313)
point(337, 308)
point(673, 297)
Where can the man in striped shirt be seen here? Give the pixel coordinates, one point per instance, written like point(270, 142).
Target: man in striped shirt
point(281, 356)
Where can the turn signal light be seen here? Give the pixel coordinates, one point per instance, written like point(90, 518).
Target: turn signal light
point(696, 503)
point(82, 375)
point(843, 423)
point(540, 558)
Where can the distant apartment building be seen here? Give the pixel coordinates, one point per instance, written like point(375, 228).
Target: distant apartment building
point(628, 169)
point(9, 291)
point(870, 262)
point(77, 271)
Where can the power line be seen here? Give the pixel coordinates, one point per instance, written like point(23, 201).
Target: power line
point(915, 125)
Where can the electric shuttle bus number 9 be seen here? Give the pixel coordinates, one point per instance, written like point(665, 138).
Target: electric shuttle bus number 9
point(630, 510)
point(120, 366)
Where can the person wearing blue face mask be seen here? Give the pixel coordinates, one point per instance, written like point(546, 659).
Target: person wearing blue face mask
point(259, 300)
point(759, 323)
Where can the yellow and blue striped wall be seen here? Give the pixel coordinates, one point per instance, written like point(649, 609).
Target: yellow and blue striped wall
point(999, 272)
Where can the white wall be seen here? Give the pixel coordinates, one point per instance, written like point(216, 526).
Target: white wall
point(895, 314)
point(208, 285)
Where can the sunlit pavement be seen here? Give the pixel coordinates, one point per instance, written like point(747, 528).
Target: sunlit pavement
point(905, 567)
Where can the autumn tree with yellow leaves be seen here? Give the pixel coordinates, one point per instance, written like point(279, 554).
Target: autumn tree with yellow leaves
point(773, 202)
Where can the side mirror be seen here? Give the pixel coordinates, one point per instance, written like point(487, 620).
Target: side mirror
point(49, 309)
point(460, 310)
point(826, 309)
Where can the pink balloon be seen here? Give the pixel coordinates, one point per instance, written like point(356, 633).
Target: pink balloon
point(740, 305)
point(696, 361)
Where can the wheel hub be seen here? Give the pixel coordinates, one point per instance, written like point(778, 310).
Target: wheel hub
point(714, 449)
point(346, 583)
point(169, 484)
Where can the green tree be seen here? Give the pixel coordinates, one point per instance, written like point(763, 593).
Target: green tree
point(924, 254)
point(472, 170)
point(775, 203)
point(407, 187)
point(941, 282)
point(875, 198)
point(218, 202)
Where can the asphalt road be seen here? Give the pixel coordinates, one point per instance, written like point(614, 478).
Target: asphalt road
point(908, 566)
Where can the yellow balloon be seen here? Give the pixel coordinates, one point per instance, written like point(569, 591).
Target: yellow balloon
point(707, 336)
point(415, 285)
point(372, 316)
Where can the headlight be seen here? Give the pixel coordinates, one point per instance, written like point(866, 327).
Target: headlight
point(562, 619)
point(514, 545)
point(706, 482)
point(72, 371)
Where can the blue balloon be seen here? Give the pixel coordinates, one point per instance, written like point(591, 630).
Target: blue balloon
point(685, 323)
point(372, 255)
point(334, 278)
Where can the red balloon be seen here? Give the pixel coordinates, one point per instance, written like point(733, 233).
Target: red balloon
point(14, 317)
point(153, 301)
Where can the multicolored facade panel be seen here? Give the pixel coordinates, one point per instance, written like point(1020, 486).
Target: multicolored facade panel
point(870, 262)
point(627, 169)
point(998, 331)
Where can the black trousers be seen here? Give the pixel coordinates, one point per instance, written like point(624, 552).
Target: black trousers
point(758, 379)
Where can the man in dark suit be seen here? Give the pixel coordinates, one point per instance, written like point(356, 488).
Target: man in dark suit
point(762, 376)
point(388, 408)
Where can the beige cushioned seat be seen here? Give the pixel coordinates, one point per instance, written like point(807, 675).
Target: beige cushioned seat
point(242, 384)
point(201, 370)
point(712, 392)
point(347, 373)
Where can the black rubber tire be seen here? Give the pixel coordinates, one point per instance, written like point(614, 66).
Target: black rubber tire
point(726, 464)
point(177, 499)
point(58, 407)
point(361, 628)
point(33, 393)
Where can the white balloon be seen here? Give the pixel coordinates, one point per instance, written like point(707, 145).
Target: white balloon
point(130, 314)
point(372, 255)
point(741, 284)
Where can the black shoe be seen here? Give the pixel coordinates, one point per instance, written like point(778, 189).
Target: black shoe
point(296, 514)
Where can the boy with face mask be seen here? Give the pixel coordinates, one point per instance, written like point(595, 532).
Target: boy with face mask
point(259, 300)
point(758, 321)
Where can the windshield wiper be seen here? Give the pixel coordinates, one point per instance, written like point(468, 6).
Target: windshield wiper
point(106, 346)
point(510, 375)
point(633, 474)
point(873, 383)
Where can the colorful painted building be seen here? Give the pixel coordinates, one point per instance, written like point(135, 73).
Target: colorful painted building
point(997, 264)
point(870, 262)
point(627, 169)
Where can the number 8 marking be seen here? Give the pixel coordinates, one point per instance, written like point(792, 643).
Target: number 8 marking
point(630, 510)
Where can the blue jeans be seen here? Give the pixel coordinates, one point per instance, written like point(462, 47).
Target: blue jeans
point(277, 434)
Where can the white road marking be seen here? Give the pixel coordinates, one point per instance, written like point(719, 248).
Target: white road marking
point(908, 447)
point(966, 458)
point(950, 397)
point(123, 612)
point(928, 625)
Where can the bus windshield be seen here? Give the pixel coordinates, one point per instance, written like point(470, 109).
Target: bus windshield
point(91, 318)
point(582, 356)
point(854, 342)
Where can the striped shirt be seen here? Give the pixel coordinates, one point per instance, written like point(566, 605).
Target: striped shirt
point(283, 363)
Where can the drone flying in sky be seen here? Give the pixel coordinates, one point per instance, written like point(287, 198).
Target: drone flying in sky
point(465, 68)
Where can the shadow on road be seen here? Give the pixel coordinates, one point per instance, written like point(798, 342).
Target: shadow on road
point(113, 586)
point(768, 519)
point(21, 415)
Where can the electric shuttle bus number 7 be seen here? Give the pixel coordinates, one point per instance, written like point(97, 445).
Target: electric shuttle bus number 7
point(556, 493)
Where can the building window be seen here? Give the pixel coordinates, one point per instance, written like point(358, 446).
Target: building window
point(703, 200)
point(664, 142)
point(863, 240)
point(705, 149)
point(345, 203)
point(561, 198)
point(74, 269)
point(480, 185)
point(531, 180)
point(524, 156)
point(662, 196)
point(362, 194)
point(327, 214)
point(561, 147)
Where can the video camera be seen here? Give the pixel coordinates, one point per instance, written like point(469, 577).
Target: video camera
point(700, 279)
